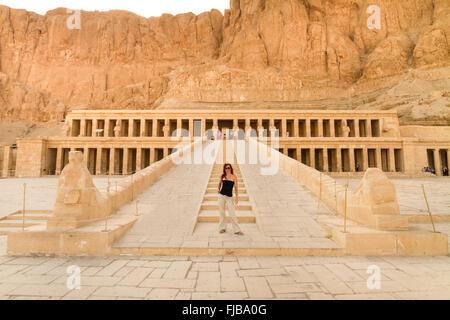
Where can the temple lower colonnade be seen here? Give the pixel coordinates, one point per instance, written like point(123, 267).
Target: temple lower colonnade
point(123, 142)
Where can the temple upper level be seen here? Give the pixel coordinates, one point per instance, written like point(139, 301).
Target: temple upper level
point(289, 124)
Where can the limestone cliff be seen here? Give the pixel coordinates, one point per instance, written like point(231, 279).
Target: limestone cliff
point(260, 51)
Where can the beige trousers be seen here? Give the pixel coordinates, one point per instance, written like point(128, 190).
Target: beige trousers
point(227, 202)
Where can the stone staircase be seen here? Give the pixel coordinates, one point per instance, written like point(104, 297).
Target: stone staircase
point(209, 209)
point(16, 221)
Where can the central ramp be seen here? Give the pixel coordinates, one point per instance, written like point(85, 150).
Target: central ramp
point(167, 210)
point(180, 216)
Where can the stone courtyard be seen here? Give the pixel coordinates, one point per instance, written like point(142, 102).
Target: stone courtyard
point(115, 128)
point(224, 278)
point(287, 217)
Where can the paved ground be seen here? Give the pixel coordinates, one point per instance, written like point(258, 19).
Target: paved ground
point(187, 278)
point(40, 193)
point(168, 208)
point(286, 213)
point(285, 209)
point(410, 195)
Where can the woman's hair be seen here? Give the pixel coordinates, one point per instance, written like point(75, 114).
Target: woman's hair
point(224, 173)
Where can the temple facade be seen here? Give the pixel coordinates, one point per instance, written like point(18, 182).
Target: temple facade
point(335, 142)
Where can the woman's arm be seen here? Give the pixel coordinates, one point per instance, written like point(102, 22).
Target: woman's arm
point(220, 186)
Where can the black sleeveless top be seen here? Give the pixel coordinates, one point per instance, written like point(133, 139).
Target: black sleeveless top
point(227, 188)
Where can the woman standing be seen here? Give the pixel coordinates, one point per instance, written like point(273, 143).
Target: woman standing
point(227, 182)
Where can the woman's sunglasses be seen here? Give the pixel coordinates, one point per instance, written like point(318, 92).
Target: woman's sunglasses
point(227, 168)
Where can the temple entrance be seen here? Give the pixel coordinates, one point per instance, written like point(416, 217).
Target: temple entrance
point(227, 134)
point(225, 128)
point(430, 158)
point(443, 155)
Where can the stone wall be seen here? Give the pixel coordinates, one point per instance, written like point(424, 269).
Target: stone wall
point(333, 195)
point(89, 205)
point(31, 157)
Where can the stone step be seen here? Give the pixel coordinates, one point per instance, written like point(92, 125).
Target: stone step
point(244, 216)
point(212, 205)
point(27, 217)
point(242, 192)
point(18, 223)
point(5, 231)
point(215, 198)
point(34, 212)
point(216, 184)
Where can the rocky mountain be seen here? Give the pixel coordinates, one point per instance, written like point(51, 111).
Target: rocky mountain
point(260, 53)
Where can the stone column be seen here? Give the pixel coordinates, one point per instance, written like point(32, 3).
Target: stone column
point(325, 159)
point(379, 160)
point(296, 128)
point(82, 127)
point(351, 155)
point(125, 161)
point(235, 123)
point(94, 127)
point(98, 164)
point(142, 133)
point(166, 152)
point(365, 159)
point(86, 156)
point(299, 154)
point(154, 128)
point(312, 158)
point(106, 132)
point(368, 128)
point(7, 155)
point(271, 128)
point(436, 162)
point(392, 160)
point(283, 128)
point(308, 128)
point(179, 127)
point(320, 127)
point(130, 128)
point(339, 159)
point(332, 129)
point(112, 158)
point(152, 155)
point(357, 134)
point(203, 130)
point(166, 128)
point(191, 128)
point(58, 161)
point(138, 159)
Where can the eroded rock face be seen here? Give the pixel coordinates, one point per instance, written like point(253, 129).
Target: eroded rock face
point(390, 57)
point(260, 50)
